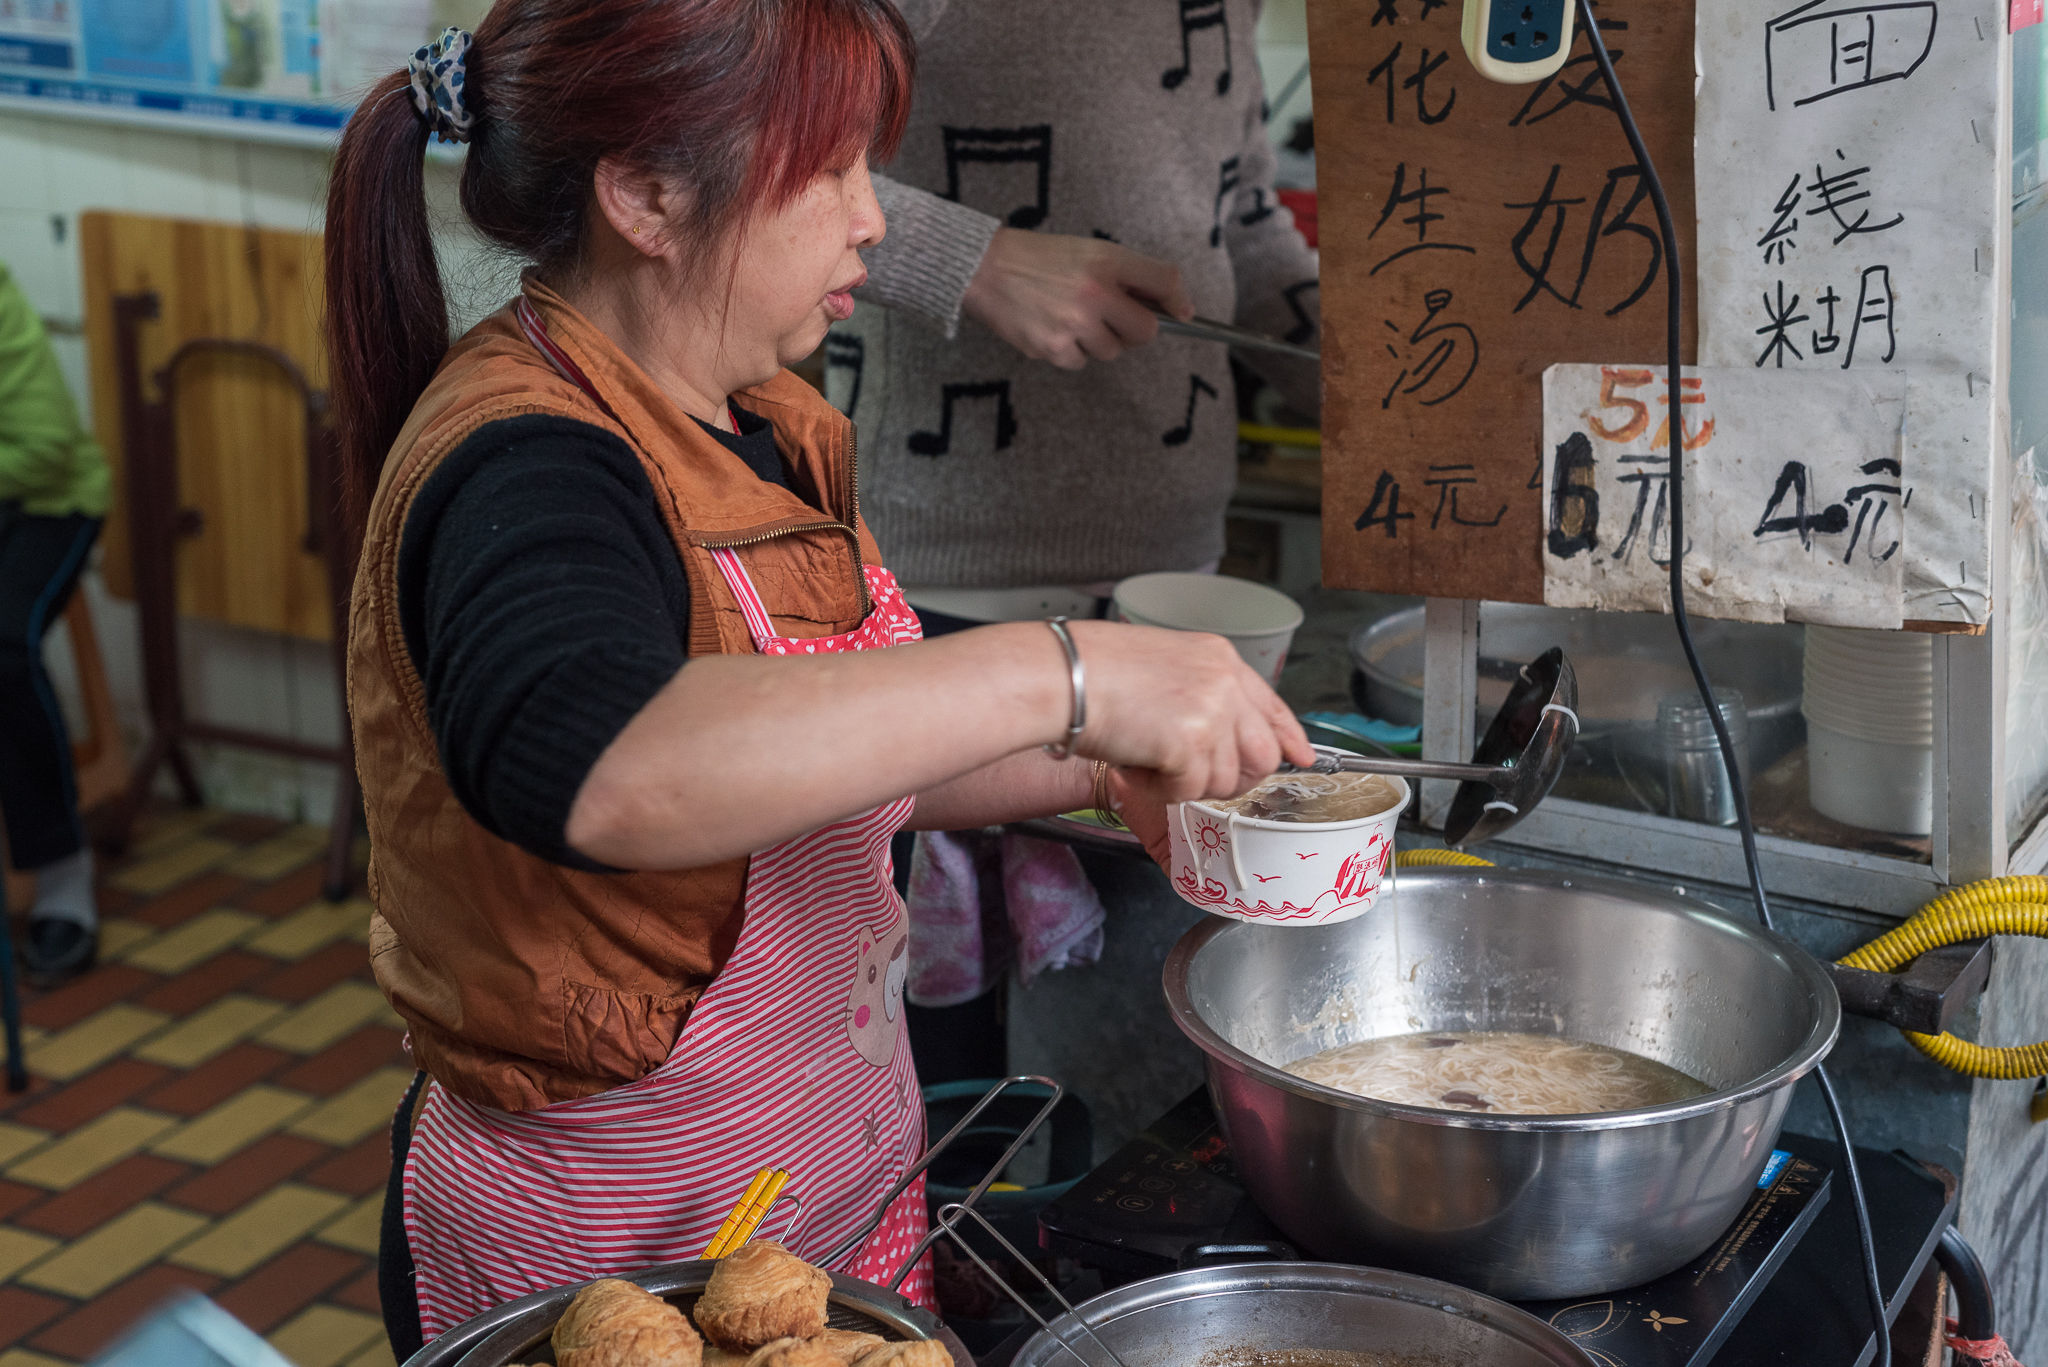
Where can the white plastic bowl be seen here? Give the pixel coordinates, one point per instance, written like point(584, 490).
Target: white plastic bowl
point(1869, 713)
point(1869, 675)
point(1870, 679)
point(1868, 687)
point(1287, 873)
point(1870, 726)
point(1878, 785)
point(1850, 643)
point(1259, 621)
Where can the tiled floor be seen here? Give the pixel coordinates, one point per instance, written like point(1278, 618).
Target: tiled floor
point(209, 1107)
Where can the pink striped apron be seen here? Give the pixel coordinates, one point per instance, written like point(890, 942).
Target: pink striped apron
point(795, 1057)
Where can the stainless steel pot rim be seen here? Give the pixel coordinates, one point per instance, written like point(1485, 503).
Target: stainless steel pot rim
point(1233, 1279)
point(1820, 992)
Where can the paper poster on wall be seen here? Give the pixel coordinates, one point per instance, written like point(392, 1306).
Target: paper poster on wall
point(1851, 155)
point(1796, 492)
point(288, 69)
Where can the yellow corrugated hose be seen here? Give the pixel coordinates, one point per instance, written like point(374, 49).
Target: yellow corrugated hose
point(1426, 859)
point(1995, 906)
point(1259, 434)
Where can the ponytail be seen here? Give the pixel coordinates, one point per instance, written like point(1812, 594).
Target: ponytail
point(742, 102)
point(387, 314)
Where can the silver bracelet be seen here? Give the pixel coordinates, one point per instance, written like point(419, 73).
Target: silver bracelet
point(1079, 677)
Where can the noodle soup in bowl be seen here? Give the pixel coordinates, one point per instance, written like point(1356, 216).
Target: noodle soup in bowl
point(1265, 856)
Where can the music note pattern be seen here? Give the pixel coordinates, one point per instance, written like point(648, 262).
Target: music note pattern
point(1006, 172)
point(1196, 15)
point(940, 442)
point(1178, 436)
point(1261, 210)
point(1030, 146)
point(1226, 186)
point(844, 353)
point(1304, 324)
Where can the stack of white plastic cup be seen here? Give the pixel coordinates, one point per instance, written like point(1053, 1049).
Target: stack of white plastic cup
point(1869, 706)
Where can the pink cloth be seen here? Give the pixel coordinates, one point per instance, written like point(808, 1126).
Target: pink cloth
point(980, 900)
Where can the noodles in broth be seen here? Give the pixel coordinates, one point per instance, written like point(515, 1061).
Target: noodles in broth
point(1316, 797)
point(1500, 1072)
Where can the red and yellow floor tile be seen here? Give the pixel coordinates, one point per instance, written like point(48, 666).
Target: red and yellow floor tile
point(209, 1109)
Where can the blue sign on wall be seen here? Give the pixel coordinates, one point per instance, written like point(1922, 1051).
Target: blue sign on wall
point(283, 69)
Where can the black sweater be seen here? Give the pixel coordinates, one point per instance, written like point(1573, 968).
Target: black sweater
point(544, 605)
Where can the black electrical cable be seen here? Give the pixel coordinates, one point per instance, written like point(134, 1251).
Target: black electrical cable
point(1976, 1310)
point(1674, 293)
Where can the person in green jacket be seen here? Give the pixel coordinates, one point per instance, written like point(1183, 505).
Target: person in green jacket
point(53, 496)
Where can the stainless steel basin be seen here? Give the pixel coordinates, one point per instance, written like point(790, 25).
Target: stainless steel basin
point(1299, 1313)
point(1517, 1206)
point(1625, 661)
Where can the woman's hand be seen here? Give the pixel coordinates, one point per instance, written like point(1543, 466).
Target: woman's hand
point(1070, 300)
point(1139, 802)
point(1184, 708)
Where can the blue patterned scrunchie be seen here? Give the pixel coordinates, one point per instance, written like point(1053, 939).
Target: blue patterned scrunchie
point(436, 74)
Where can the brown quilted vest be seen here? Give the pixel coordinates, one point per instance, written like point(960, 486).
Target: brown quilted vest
point(524, 982)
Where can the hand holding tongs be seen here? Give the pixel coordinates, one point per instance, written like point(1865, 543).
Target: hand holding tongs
point(1209, 330)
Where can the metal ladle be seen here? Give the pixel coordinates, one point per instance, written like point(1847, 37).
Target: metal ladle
point(1516, 765)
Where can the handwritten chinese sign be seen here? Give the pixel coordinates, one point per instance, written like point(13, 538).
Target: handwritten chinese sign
point(1852, 154)
point(1473, 234)
point(1796, 493)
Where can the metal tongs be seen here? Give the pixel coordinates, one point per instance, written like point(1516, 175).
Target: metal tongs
point(1209, 330)
point(1055, 1093)
point(1516, 765)
point(950, 1217)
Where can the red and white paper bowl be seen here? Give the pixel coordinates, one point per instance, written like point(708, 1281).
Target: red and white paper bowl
point(1285, 873)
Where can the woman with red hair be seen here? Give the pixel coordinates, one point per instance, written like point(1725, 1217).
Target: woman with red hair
point(636, 707)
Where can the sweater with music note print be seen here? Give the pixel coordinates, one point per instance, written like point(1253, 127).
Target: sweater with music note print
point(1139, 121)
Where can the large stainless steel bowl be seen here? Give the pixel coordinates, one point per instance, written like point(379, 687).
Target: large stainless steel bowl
point(1299, 1313)
point(1518, 1206)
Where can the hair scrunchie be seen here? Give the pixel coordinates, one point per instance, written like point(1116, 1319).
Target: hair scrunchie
point(437, 77)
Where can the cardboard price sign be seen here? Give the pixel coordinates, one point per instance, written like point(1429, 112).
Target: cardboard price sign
point(1474, 234)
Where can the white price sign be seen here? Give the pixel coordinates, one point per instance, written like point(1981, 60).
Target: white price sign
point(1795, 490)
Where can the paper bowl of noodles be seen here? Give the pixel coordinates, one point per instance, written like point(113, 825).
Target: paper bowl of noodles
point(1297, 850)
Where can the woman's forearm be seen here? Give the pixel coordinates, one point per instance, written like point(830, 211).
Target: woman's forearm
point(737, 753)
point(1014, 788)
